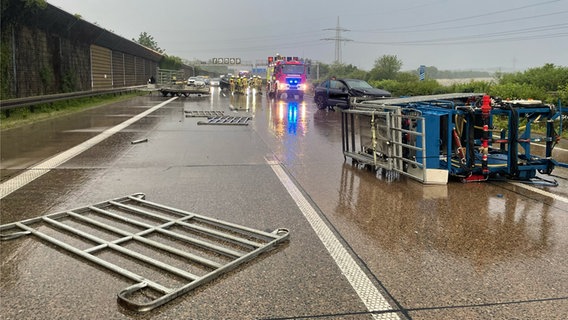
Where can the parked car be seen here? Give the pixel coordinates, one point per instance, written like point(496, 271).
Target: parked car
point(337, 92)
point(195, 81)
point(204, 79)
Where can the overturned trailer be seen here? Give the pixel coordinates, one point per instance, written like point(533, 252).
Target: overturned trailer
point(184, 90)
point(174, 83)
point(470, 136)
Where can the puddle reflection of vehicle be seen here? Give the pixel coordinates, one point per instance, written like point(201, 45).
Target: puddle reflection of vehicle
point(289, 117)
point(292, 117)
point(246, 102)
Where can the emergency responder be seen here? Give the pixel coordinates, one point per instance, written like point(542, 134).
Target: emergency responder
point(243, 85)
point(258, 84)
point(271, 86)
point(252, 83)
point(232, 84)
point(240, 85)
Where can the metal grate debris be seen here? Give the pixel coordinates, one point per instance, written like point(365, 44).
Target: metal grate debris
point(203, 113)
point(163, 242)
point(227, 120)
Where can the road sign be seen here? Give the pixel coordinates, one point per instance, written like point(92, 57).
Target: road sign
point(226, 60)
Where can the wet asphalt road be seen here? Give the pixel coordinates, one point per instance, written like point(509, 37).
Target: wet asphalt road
point(462, 251)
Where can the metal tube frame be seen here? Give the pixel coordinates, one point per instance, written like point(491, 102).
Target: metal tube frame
point(393, 125)
point(250, 242)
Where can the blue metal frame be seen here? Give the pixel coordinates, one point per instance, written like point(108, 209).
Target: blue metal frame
point(451, 121)
point(513, 159)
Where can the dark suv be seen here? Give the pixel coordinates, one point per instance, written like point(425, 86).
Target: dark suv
point(336, 92)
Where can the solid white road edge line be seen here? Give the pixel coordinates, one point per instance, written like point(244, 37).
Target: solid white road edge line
point(539, 191)
point(369, 294)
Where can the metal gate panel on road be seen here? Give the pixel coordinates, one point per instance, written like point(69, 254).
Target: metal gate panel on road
point(226, 120)
point(174, 251)
point(203, 113)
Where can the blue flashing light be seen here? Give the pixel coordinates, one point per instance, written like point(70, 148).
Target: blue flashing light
point(293, 81)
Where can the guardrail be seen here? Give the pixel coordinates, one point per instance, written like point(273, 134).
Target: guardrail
point(7, 105)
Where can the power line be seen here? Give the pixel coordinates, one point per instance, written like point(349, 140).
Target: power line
point(473, 17)
point(338, 40)
point(513, 35)
point(468, 26)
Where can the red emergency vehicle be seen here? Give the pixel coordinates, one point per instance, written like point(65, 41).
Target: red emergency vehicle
point(286, 75)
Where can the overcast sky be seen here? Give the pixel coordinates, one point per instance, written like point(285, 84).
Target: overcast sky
point(448, 34)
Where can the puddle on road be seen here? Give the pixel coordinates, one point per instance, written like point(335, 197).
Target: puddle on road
point(482, 223)
point(25, 146)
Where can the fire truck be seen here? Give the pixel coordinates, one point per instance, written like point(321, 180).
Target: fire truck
point(286, 75)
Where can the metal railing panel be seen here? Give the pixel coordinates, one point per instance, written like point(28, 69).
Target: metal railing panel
point(388, 119)
point(212, 235)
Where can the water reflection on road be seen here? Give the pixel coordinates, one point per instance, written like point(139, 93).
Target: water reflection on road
point(456, 244)
point(288, 117)
point(404, 215)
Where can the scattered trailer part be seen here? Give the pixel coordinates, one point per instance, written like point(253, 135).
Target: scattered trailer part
point(208, 247)
point(226, 120)
point(203, 113)
point(139, 141)
point(430, 138)
point(184, 90)
point(218, 117)
point(173, 83)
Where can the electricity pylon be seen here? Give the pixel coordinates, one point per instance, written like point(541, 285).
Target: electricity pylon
point(338, 40)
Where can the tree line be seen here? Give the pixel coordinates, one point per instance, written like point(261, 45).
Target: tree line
point(548, 83)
